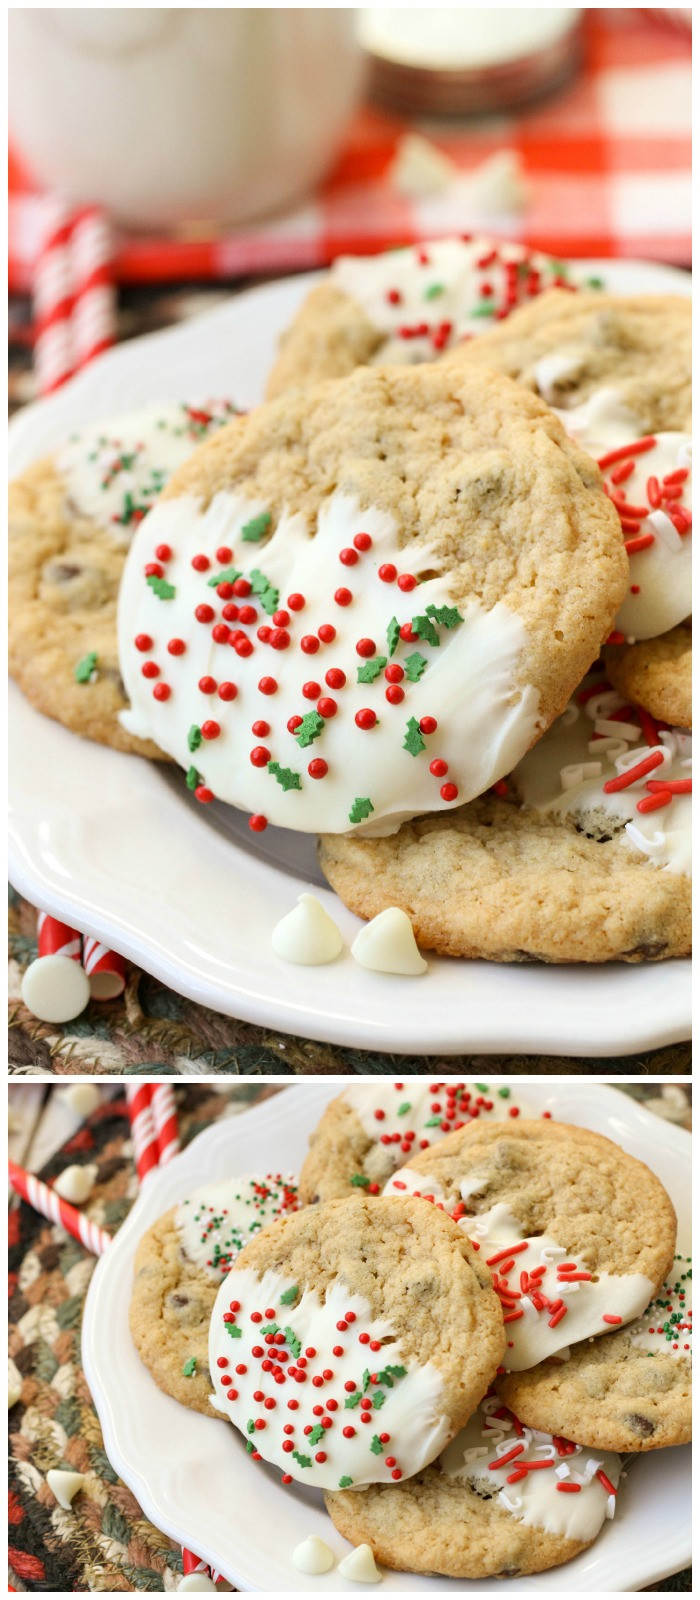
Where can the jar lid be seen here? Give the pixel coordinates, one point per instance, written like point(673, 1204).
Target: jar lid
point(463, 61)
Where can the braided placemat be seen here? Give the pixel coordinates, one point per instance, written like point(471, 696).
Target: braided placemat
point(151, 1029)
point(104, 1543)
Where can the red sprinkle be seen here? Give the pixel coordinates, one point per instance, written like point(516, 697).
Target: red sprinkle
point(438, 767)
point(310, 644)
point(205, 795)
point(394, 694)
point(637, 448)
point(259, 755)
point(143, 641)
point(342, 597)
point(640, 543)
point(335, 678)
point(207, 685)
point(210, 730)
point(201, 563)
point(348, 556)
point(624, 779)
point(162, 692)
point(654, 802)
point(387, 572)
point(150, 669)
point(365, 647)
point(317, 768)
point(257, 823)
point(407, 582)
point(611, 1319)
point(449, 791)
point(326, 632)
point(311, 690)
point(365, 718)
point(227, 691)
point(569, 1488)
point(427, 724)
point(326, 707)
point(268, 685)
point(296, 602)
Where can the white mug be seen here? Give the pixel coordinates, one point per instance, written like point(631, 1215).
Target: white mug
point(181, 115)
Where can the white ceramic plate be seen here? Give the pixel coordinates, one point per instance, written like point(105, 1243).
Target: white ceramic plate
point(192, 1475)
point(119, 848)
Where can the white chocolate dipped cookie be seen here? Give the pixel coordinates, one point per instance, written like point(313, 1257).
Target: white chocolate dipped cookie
point(180, 1263)
point(649, 481)
point(409, 570)
point(407, 306)
point(502, 1500)
point(578, 1234)
point(629, 1391)
point(71, 519)
point(352, 1341)
point(583, 855)
point(372, 1128)
point(657, 675)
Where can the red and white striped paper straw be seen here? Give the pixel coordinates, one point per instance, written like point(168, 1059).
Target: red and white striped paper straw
point(105, 969)
point(143, 1131)
point(55, 938)
point(164, 1115)
point(194, 1563)
point(50, 1205)
point(74, 297)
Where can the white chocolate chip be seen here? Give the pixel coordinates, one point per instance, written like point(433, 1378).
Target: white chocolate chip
point(307, 935)
point(64, 1485)
point(55, 989)
point(387, 944)
point(313, 1556)
point(76, 1183)
point(82, 1098)
point(360, 1566)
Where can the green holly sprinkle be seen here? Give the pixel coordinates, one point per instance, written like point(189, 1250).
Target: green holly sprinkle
point(190, 1367)
point(193, 778)
point(160, 586)
point(194, 737)
point(433, 1122)
point(425, 629)
point(284, 775)
point(448, 616)
point(366, 1380)
point(250, 1426)
point(393, 634)
point(414, 666)
point(270, 1327)
point(292, 1341)
point(483, 1088)
point(309, 729)
point(433, 290)
point(485, 309)
point(371, 669)
point(304, 1461)
point(359, 810)
point(254, 530)
point(389, 1373)
point(353, 1400)
point(403, 1108)
point(376, 1446)
point(316, 1434)
point(226, 575)
point(595, 283)
point(268, 596)
point(232, 1330)
point(504, 1094)
point(359, 1180)
point(289, 1296)
point(414, 741)
point(378, 1399)
point(344, 1483)
point(250, 1447)
point(85, 668)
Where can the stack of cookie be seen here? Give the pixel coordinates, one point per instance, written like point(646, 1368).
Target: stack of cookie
point(410, 558)
point(456, 1361)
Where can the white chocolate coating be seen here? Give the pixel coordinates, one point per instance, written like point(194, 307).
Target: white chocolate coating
point(307, 935)
point(113, 473)
point(218, 1219)
point(659, 593)
point(535, 1330)
point(450, 288)
point(313, 1556)
point(387, 944)
point(480, 735)
point(536, 1499)
point(551, 779)
point(410, 1413)
point(666, 1328)
point(360, 1566)
point(64, 1485)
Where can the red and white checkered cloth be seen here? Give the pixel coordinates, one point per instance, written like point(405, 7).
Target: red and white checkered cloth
point(607, 160)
